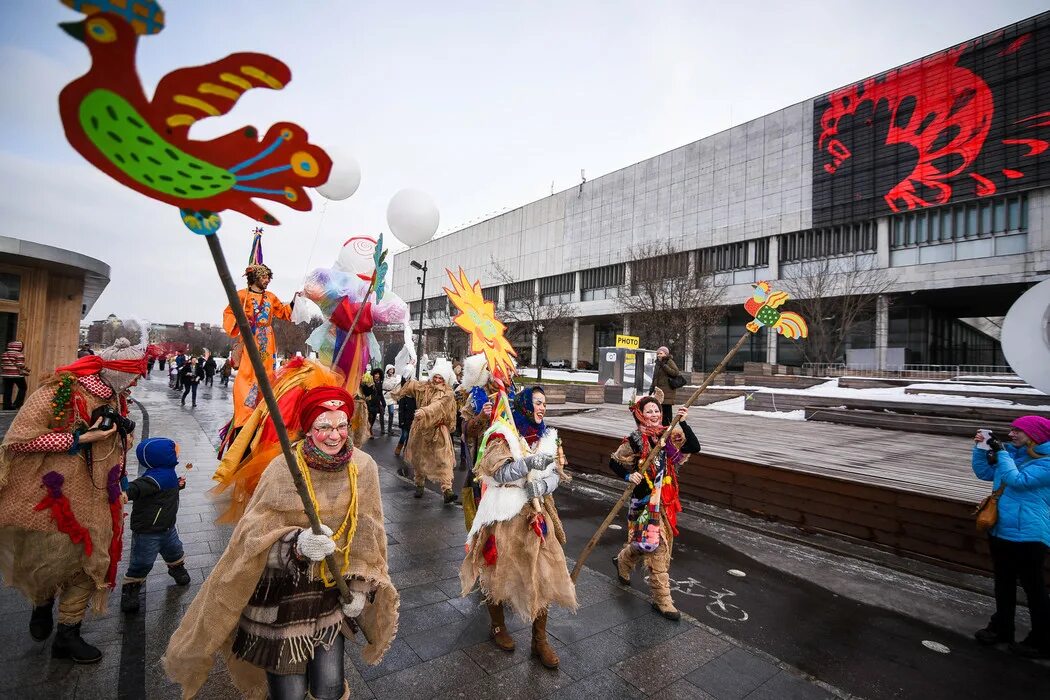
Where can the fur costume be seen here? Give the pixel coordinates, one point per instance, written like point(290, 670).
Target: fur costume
point(211, 622)
point(61, 521)
point(515, 565)
point(429, 448)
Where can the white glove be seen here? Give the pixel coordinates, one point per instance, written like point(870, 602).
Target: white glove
point(315, 547)
point(356, 604)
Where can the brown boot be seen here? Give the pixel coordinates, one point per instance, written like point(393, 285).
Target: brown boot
point(541, 647)
point(397, 451)
point(498, 631)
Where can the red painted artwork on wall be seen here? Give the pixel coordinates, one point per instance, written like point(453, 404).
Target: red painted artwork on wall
point(969, 122)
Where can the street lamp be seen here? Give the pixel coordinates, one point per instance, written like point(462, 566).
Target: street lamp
point(422, 307)
point(539, 353)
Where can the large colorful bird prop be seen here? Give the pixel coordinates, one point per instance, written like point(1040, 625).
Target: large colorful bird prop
point(144, 143)
point(763, 305)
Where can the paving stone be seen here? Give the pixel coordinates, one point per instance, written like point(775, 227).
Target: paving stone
point(429, 679)
point(597, 618)
point(682, 689)
point(399, 657)
point(449, 637)
point(787, 686)
point(427, 617)
point(591, 655)
point(604, 684)
point(659, 666)
point(417, 596)
point(522, 682)
point(732, 675)
point(646, 631)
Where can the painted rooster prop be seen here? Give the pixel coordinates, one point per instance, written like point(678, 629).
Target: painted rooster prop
point(763, 306)
point(144, 144)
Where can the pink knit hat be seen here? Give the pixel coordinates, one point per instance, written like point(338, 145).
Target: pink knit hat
point(1035, 427)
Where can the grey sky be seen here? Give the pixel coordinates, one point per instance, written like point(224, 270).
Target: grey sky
point(481, 104)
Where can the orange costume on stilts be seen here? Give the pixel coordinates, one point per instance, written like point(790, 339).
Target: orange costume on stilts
point(262, 309)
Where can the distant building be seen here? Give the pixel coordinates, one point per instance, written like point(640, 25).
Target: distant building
point(44, 294)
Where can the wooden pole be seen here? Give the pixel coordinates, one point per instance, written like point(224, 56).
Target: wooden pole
point(266, 390)
point(652, 453)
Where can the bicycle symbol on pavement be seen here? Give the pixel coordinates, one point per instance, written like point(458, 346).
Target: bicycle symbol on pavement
point(718, 606)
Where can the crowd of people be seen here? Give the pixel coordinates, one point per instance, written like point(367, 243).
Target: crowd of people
point(271, 606)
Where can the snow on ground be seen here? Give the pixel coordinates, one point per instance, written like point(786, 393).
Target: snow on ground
point(988, 388)
point(737, 406)
point(577, 377)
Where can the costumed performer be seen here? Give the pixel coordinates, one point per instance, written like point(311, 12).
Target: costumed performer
point(514, 547)
point(256, 445)
point(652, 516)
point(61, 515)
point(262, 308)
point(270, 606)
point(429, 449)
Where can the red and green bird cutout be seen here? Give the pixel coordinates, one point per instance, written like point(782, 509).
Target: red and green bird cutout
point(763, 305)
point(144, 143)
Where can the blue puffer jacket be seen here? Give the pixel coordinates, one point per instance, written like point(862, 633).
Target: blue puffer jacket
point(1024, 507)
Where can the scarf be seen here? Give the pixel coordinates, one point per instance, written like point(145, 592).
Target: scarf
point(525, 419)
point(318, 459)
point(93, 364)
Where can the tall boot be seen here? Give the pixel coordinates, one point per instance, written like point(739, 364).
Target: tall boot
point(129, 597)
point(660, 586)
point(68, 644)
point(541, 647)
point(498, 630)
point(42, 622)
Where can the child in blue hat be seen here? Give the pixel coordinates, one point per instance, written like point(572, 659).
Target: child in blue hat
point(156, 506)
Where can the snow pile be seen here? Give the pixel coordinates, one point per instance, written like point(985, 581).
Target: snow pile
point(737, 405)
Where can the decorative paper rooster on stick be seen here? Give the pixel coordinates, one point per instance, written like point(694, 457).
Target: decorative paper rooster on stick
point(763, 305)
point(144, 144)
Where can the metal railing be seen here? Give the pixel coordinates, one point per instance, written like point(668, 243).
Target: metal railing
point(909, 371)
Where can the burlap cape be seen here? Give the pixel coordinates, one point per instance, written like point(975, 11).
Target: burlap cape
point(35, 557)
point(429, 449)
point(529, 573)
point(210, 623)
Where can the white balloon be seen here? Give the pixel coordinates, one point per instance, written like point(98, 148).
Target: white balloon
point(344, 178)
point(413, 217)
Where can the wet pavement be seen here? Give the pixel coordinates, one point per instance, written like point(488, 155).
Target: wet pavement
point(769, 634)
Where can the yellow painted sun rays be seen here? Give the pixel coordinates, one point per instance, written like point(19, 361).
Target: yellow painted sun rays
point(478, 318)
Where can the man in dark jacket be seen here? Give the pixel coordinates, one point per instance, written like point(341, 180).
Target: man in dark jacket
point(156, 507)
point(665, 369)
point(209, 370)
point(180, 362)
point(406, 413)
point(191, 373)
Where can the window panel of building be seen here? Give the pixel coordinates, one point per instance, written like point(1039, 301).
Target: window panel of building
point(602, 282)
point(557, 289)
point(1000, 216)
point(518, 293)
point(414, 307)
point(832, 241)
point(490, 294)
point(10, 286)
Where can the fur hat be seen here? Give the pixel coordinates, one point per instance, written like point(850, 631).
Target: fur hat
point(475, 371)
point(443, 368)
point(121, 349)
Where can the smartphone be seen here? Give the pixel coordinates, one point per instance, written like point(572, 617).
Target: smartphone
point(987, 436)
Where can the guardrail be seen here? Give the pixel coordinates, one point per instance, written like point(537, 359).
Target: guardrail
point(912, 371)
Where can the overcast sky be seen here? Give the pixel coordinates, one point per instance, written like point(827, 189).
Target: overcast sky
point(482, 104)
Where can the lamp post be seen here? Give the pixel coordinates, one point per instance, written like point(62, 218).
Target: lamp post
point(539, 353)
point(422, 309)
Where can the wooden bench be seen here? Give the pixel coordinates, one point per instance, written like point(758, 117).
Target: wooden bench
point(772, 401)
point(584, 393)
point(931, 425)
point(554, 393)
point(1015, 397)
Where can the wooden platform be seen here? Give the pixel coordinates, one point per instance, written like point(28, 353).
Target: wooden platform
point(911, 493)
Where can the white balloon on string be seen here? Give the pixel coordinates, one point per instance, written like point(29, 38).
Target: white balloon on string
point(413, 217)
point(345, 177)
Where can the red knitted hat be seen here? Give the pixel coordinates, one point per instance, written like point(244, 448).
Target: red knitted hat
point(320, 399)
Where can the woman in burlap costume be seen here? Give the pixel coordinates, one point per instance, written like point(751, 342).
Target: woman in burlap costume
point(61, 519)
point(430, 441)
point(514, 547)
point(267, 606)
point(652, 516)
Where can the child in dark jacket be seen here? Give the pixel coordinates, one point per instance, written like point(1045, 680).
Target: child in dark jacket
point(156, 507)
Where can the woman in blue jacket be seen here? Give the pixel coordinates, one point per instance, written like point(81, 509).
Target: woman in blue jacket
point(1021, 535)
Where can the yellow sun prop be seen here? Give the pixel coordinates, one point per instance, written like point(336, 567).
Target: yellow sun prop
point(478, 318)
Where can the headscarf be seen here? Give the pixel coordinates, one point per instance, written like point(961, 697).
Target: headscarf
point(117, 365)
point(524, 418)
point(321, 399)
point(1035, 427)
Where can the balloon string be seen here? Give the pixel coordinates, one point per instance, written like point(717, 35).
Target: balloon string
point(317, 235)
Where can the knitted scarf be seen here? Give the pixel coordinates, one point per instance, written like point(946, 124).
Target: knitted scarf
point(316, 458)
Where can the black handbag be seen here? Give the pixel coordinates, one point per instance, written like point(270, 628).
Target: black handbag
point(676, 382)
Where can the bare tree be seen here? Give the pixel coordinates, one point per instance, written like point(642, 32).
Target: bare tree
point(665, 302)
point(291, 337)
point(837, 297)
point(529, 315)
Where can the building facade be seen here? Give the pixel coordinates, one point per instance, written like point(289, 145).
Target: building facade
point(44, 294)
point(932, 178)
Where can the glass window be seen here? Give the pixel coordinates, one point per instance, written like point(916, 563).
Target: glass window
point(986, 218)
point(999, 216)
point(1013, 214)
point(10, 286)
point(946, 225)
point(971, 221)
point(935, 227)
point(1024, 212)
point(920, 228)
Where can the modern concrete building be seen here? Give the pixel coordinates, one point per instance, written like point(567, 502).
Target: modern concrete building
point(44, 294)
point(935, 174)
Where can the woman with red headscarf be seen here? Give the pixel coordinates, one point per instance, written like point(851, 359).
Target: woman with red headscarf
point(652, 516)
point(270, 606)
